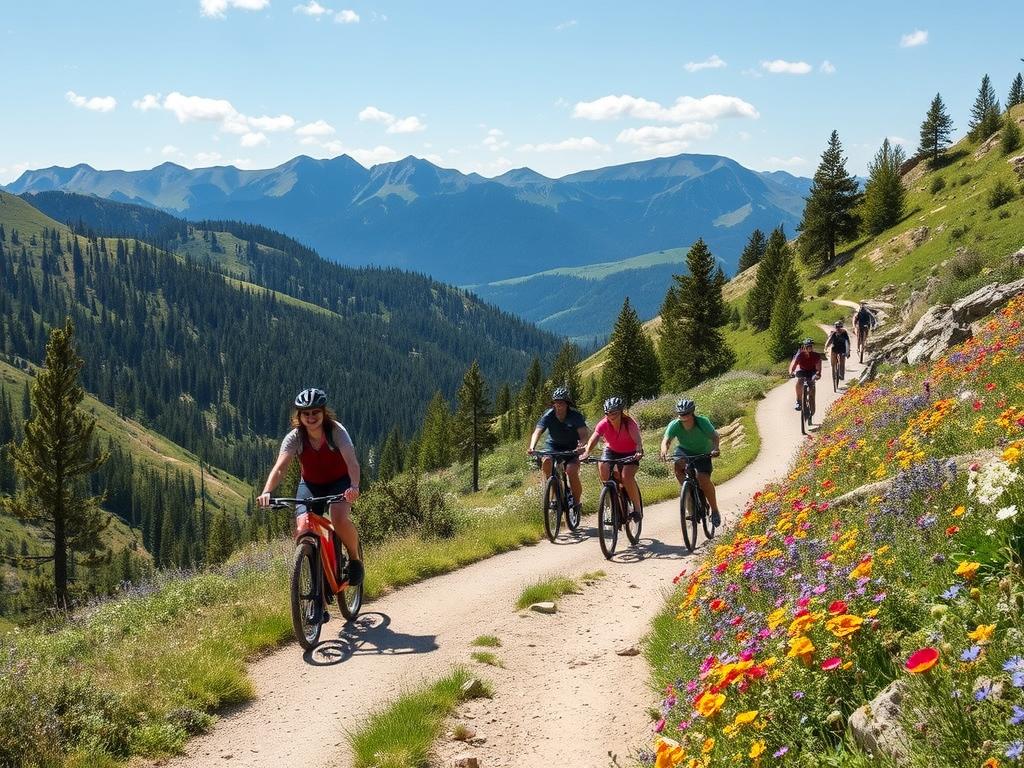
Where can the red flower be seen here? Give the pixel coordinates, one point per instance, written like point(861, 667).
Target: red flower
point(952, 530)
point(829, 664)
point(922, 660)
point(990, 386)
point(717, 604)
point(977, 405)
point(837, 607)
point(722, 567)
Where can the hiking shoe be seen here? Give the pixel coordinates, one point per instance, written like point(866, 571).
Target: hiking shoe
point(796, 407)
point(716, 518)
point(355, 573)
point(634, 516)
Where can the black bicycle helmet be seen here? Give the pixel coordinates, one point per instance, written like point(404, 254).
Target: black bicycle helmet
point(685, 406)
point(561, 393)
point(311, 398)
point(808, 342)
point(613, 404)
point(839, 323)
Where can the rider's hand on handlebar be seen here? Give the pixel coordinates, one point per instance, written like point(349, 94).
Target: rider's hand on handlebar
point(263, 500)
point(530, 451)
point(715, 453)
point(351, 494)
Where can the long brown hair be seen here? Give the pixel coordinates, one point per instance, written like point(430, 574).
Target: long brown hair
point(329, 418)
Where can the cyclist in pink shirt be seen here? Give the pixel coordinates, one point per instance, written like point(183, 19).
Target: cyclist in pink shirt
point(622, 440)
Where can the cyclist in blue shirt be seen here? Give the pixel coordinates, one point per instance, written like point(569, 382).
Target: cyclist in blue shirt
point(567, 431)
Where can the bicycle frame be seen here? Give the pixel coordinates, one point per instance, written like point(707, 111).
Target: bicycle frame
point(319, 530)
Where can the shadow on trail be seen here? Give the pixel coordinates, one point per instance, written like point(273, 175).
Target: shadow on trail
point(567, 537)
point(649, 549)
point(369, 634)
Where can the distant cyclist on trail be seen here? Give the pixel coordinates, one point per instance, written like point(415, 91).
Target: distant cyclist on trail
point(806, 364)
point(329, 466)
point(696, 436)
point(864, 320)
point(622, 441)
point(839, 341)
point(567, 431)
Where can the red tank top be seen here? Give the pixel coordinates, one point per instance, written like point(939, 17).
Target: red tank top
point(321, 466)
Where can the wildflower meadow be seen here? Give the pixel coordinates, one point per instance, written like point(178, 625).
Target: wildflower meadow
point(889, 558)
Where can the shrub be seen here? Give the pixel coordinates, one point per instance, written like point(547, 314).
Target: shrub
point(405, 504)
point(957, 232)
point(822, 289)
point(965, 264)
point(937, 184)
point(965, 179)
point(1000, 194)
point(1009, 138)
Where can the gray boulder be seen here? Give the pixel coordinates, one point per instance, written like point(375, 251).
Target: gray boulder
point(876, 727)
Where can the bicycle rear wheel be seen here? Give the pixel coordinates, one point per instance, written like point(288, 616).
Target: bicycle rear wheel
point(305, 595)
point(607, 522)
point(836, 374)
point(552, 507)
point(572, 512)
point(805, 413)
point(709, 524)
point(351, 598)
point(633, 526)
point(688, 508)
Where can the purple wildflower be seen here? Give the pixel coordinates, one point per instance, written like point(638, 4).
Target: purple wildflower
point(1018, 715)
point(971, 654)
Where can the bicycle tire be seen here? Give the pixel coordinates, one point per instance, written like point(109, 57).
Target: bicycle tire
point(350, 601)
point(708, 523)
point(688, 510)
point(835, 375)
point(572, 513)
point(803, 412)
point(633, 527)
point(607, 521)
point(552, 508)
point(305, 596)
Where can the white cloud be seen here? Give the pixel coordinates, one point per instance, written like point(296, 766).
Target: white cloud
point(827, 67)
point(374, 115)
point(347, 16)
point(785, 162)
point(914, 39)
point(494, 141)
point(272, 124)
point(586, 143)
point(379, 154)
point(254, 139)
point(94, 103)
point(566, 25)
point(193, 108)
point(170, 150)
point(713, 62)
point(312, 8)
point(319, 128)
point(208, 158)
point(8, 175)
point(242, 162)
point(406, 125)
point(675, 135)
point(217, 9)
point(782, 67)
point(147, 102)
point(686, 109)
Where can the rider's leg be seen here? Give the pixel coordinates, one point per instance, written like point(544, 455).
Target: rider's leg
point(345, 528)
point(545, 467)
point(629, 483)
point(604, 469)
point(799, 392)
point(680, 469)
point(572, 469)
point(708, 487)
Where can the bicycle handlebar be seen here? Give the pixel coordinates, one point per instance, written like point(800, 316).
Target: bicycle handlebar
point(282, 502)
point(619, 462)
point(558, 454)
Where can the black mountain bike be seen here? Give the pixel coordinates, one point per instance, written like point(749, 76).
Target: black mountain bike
point(806, 406)
point(693, 505)
point(615, 510)
point(862, 340)
point(558, 499)
point(838, 369)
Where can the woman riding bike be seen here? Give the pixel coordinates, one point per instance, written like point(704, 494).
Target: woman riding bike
point(839, 341)
point(329, 466)
point(806, 364)
point(622, 442)
point(696, 436)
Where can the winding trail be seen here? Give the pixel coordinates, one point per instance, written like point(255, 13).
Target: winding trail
point(564, 696)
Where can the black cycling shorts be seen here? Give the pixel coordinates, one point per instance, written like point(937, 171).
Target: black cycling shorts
point(610, 455)
point(306, 490)
point(802, 374)
point(701, 463)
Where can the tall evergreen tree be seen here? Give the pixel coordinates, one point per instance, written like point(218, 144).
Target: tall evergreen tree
point(884, 194)
point(435, 441)
point(472, 422)
point(829, 215)
point(1016, 94)
point(221, 542)
point(935, 130)
point(783, 334)
point(391, 454)
point(1010, 136)
point(631, 370)
point(55, 456)
point(753, 251)
point(565, 370)
point(691, 345)
point(985, 112)
point(762, 295)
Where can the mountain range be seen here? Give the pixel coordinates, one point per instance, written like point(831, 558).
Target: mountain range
point(463, 228)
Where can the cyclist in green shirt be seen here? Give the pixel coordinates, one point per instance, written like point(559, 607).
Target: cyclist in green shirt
point(696, 436)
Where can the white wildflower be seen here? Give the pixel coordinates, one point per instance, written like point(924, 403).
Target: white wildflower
point(1006, 512)
point(991, 481)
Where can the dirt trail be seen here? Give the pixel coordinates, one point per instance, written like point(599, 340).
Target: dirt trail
point(564, 696)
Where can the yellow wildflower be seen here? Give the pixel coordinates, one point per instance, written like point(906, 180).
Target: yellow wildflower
point(756, 749)
point(967, 569)
point(983, 633)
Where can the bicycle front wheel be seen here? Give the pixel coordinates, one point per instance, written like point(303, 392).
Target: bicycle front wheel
point(305, 595)
point(688, 514)
point(351, 598)
point(607, 522)
point(634, 522)
point(835, 375)
point(552, 508)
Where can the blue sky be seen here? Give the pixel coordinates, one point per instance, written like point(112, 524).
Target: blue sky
point(478, 86)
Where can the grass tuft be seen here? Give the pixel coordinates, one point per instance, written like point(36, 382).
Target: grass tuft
point(486, 657)
point(487, 641)
point(547, 591)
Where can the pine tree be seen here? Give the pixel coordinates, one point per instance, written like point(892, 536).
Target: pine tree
point(631, 370)
point(55, 456)
point(753, 251)
point(391, 454)
point(1009, 137)
point(884, 195)
point(762, 295)
point(785, 328)
point(829, 216)
point(935, 130)
point(985, 113)
point(565, 370)
point(472, 422)
point(435, 440)
point(220, 543)
point(1016, 94)
point(691, 345)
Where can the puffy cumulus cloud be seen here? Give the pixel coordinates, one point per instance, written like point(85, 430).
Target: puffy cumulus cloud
point(217, 9)
point(411, 124)
point(198, 108)
point(569, 24)
point(666, 137)
point(208, 158)
point(93, 103)
point(310, 132)
point(783, 67)
point(254, 139)
point(147, 102)
point(827, 67)
point(494, 140)
point(348, 16)
point(686, 109)
point(914, 39)
point(583, 144)
point(272, 124)
point(712, 62)
point(312, 8)
point(374, 115)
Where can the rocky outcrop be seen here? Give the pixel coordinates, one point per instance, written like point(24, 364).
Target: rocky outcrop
point(876, 726)
point(1017, 163)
